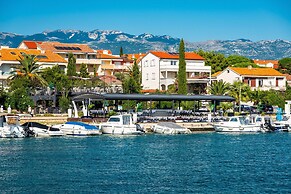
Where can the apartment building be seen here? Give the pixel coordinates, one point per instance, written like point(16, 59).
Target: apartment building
point(160, 69)
point(9, 59)
point(82, 52)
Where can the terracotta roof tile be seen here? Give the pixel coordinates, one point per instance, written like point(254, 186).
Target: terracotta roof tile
point(256, 71)
point(64, 47)
point(13, 54)
point(264, 62)
point(31, 44)
point(188, 55)
point(137, 56)
point(105, 56)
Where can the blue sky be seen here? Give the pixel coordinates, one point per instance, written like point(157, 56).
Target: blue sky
point(193, 20)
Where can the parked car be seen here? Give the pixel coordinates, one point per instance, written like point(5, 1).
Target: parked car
point(265, 108)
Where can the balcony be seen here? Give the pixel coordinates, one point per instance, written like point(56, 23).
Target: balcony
point(88, 61)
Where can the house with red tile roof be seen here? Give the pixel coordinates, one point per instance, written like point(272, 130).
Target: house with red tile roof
point(82, 52)
point(256, 78)
point(267, 63)
point(9, 59)
point(160, 69)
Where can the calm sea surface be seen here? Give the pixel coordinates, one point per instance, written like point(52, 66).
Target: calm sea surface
point(196, 163)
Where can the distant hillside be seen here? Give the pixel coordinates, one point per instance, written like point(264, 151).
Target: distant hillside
point(113, 40)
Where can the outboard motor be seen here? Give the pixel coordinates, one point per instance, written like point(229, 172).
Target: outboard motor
point(268, 125)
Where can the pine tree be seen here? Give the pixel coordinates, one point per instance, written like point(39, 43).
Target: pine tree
point(182, 81)
point(84, 71)
point(121, 51)
point(71, 65)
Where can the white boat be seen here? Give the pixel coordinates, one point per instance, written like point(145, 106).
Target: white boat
point(238, 124)
point(268, 125)
point(78, 129)
point(286, 121)
point(169, 128)
point(121, 125)
point(10, 127)
point(41, 130)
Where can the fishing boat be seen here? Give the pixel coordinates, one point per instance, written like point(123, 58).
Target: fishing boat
point(121, 125)
point(169, 128)
point(78, 129)
point(41, 130)
point(10, 127)
point(238, 124)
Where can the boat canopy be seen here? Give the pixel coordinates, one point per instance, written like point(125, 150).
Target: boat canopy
point(152, 97)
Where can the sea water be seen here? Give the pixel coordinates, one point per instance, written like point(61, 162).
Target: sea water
point(196, 163)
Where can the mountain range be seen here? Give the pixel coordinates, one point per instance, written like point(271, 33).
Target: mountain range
point(113, 40)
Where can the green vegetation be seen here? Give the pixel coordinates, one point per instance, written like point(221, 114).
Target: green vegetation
point(182, 81)
point(27, 77)
point(71, 65)
point(285, 65)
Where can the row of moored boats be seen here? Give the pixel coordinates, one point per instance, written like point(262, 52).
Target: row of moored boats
point(123, 125)
point(256, 123)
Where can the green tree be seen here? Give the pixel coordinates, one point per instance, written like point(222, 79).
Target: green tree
point(71, 71)
point(136, 76)
point(131, 83)
point(217, 61)
point(239, 90)
point(29, 69)
point(84, 71)
point(219, 88)
point(121, 52)
point(240, 61)
point(182, 81)
point(285, 65)
point(19, 99)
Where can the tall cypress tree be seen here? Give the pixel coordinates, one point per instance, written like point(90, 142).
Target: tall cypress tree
point(71, 71)
point(121, 52)
point(182, 81)
point(136, 76)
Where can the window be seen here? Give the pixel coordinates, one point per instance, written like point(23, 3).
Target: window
point(260, 82)
point(146, 63)
point(173, 62)
point(147, 76)
point(153, 76)
point(152, 63)
point(13, 53)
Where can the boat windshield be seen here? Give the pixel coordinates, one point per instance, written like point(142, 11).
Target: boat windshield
point(126, 119)
point(114, 119)
point(244, 120)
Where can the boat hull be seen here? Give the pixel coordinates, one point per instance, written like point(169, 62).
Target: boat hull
point(120, 130)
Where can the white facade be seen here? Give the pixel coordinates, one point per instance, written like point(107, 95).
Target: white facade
point(159, 73)
point(261, 82)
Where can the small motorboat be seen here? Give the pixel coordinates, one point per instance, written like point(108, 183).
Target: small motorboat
point(78, 129)
point(10, 127)
point(41, 130)
point(121, 125)
point(238, 124)
point(169, 128)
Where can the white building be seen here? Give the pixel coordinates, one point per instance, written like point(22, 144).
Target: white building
point(256, 78)
point(159, 71)
point(9, 59)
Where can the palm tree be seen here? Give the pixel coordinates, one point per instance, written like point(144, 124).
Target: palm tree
point(219, 88)
point(28, 68)
point(240, 91)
